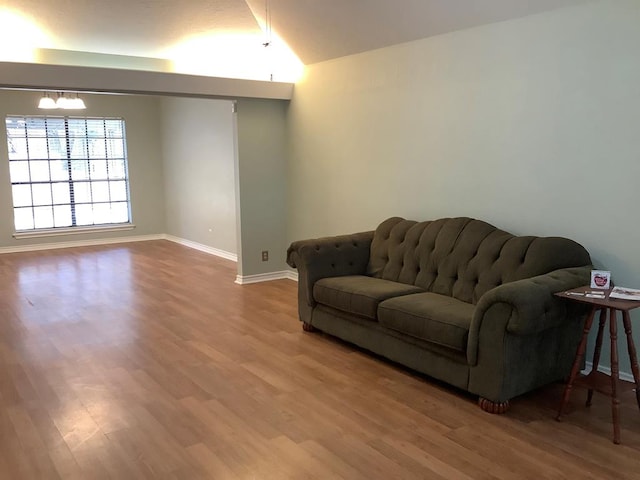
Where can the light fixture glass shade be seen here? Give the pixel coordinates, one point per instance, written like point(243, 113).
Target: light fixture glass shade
point(47, 103)
point(62, 102)
point(77, 103)
point(67, 103)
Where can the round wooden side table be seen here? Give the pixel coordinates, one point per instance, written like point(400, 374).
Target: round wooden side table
point(595, 380)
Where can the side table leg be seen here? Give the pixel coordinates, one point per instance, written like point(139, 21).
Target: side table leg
point(598, 349)
point(615, 372)
point(632, 353)
point(577, 362)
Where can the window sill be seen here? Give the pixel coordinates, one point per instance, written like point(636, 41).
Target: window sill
point(55, 232)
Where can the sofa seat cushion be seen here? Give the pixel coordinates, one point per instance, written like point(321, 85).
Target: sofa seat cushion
point(430, 317)
point(358, 294)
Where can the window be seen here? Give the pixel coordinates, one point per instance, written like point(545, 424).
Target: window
point(67, 172)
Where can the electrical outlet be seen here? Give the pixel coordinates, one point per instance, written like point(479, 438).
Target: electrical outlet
point(265, 255)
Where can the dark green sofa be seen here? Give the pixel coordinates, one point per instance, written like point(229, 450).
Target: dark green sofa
point(455, 298)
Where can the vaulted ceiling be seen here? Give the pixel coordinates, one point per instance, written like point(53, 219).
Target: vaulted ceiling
point(315, 30)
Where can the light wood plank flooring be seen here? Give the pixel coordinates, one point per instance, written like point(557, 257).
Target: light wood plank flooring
point(145, 361)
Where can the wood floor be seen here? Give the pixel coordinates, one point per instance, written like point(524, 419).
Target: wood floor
point(145, 361)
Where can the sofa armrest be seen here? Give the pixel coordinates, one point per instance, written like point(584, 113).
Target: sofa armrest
point(527, 306)
point(328, 257)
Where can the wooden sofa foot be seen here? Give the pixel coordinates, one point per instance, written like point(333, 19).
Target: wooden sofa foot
point(307, 327)
point(493, 407)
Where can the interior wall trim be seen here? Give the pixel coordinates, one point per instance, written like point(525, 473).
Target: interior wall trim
point(292, 275)
point(262, 277)
point(79, 243)
point(240, 279)
point(203, 248)
point(626, 376)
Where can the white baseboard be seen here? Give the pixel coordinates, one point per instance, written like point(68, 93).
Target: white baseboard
point(262, 277)
point(240, 280)
point(292, 275)
point(627, 376)
point(109, 241)
point(79, 243)
point(203, 248)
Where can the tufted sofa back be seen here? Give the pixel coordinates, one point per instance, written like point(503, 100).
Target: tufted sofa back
point(464, 258)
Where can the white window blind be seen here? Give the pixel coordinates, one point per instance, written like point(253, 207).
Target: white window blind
point(68, 171)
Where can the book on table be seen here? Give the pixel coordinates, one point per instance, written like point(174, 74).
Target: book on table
point(625, 293)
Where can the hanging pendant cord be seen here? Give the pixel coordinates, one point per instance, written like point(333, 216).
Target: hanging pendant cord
point(267, 22)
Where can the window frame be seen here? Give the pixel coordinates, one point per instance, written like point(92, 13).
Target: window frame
point(112, 187)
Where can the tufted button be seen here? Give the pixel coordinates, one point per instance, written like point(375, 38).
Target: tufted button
point(355, 244)
point(337, 245)
point(333, 265)
point(351, 264)
point(317, 248)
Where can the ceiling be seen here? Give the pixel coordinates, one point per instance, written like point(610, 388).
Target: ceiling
point(315, 30)
point(320, 30)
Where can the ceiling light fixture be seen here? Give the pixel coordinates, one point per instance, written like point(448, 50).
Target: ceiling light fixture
point(46, 102)
point(63, 102)
point(70, 103)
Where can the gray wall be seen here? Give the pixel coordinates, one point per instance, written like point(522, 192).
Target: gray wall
point(141, 116)
point(262, 165)
point(530, 124)
point(164, 136)
point(199, 162)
